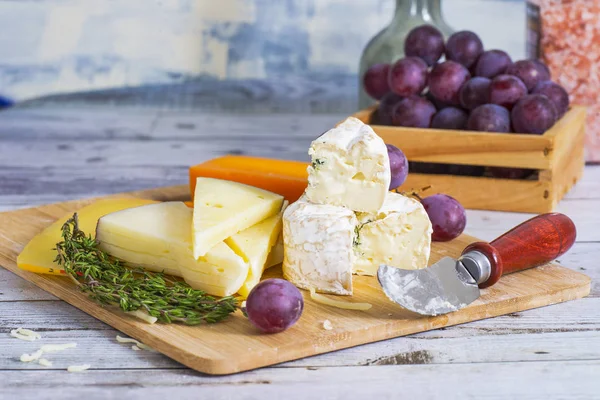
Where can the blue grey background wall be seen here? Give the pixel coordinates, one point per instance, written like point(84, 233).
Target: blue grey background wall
point(62, 46)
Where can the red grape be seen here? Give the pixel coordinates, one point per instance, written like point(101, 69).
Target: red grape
point(450, 118)
point(413, 111)
point(446, 169)
point(530, 72)
point(408, 76)
point(375, 80)
point(425, 42)
point(509, 173)
point(274, 305)
point(543, 66)
point(438, 104)
point(386, 108)
point(398, 166)
point(447, 216)
point(492, 63)
point(506, 90)
point(475, 92)
point(489, 118)
point(556, 93)
point(464, 47)
point(446, 79)
point(534, 113)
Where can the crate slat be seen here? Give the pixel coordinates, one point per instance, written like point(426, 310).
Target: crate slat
point(557, 155)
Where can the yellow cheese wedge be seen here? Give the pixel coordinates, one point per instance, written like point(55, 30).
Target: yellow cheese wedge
point(38, 255)
point(254, 245)
point(223, 208)
point(158, 237)
point(276, 254)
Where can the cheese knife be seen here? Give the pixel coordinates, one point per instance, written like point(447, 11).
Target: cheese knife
point(450, 284)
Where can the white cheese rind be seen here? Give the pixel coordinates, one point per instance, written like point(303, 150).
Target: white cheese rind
point(318, 247)
point(350, 168)
point(398, 235)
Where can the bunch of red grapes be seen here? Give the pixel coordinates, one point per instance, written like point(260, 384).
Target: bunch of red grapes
point(471, 89)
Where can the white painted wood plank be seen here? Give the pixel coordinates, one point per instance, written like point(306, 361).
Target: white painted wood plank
point(15, 288)
point(129, 153)
point(526, 381)
point(114, 124)
point(100, 348)
point(488, 225)
point(569, 331)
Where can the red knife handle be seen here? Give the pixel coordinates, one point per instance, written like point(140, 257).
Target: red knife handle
point(535, 242)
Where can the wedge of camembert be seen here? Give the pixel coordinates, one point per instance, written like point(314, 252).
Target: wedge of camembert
point(318, 241)
point(399, 235)
point(223, 208)
point(158, 237)
point(350, 168)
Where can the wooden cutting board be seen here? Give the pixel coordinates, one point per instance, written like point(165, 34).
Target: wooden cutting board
point(235, 345)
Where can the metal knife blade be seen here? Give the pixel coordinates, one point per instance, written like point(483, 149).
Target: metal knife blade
point(444, 287)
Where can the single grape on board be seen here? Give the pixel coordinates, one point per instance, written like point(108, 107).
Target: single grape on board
point(447, 216)
point(274, 305)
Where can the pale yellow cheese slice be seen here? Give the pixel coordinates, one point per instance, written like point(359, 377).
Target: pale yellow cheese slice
point(254, 245)
point(158, 237)
point(39, 254)
point(223, 208)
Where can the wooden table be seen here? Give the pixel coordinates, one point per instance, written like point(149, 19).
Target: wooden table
point(50, 154)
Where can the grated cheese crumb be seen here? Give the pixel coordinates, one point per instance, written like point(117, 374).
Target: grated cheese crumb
point(25, 334)
point(144, 316)
point(327, 325)
point(139, 344)
point(44, 363)
point(53, 348)
point(78, 368)
point(134, 347)
point(31, 357)
point(319, 298)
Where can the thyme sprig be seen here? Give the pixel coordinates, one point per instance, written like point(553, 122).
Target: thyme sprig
point(109, 282)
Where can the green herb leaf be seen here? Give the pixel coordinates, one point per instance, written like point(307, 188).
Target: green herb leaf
point(108, 281)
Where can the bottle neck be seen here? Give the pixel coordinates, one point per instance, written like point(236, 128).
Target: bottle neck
point(427, 10)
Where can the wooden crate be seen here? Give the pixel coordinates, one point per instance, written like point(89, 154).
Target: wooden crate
point(558, 156)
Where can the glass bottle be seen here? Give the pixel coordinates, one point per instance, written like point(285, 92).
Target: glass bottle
point(388, 45)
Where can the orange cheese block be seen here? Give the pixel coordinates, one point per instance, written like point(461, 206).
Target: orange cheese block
point(287, 178)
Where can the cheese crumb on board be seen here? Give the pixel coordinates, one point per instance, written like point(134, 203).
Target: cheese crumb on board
point(135, 348)
point(319, 298)
point(144, 316)
point(44, 362)
point(53, 348)
point(78, 368)
point(327, 325)
point(25, 334)
point(139, 344)
point(32, 357)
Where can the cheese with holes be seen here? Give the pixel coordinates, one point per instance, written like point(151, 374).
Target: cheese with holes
point(399, 235)
point(158, 237)
point(224, 208)
point(350, 168)
point(317, 242)
point(39, 254)
point(254, 245)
